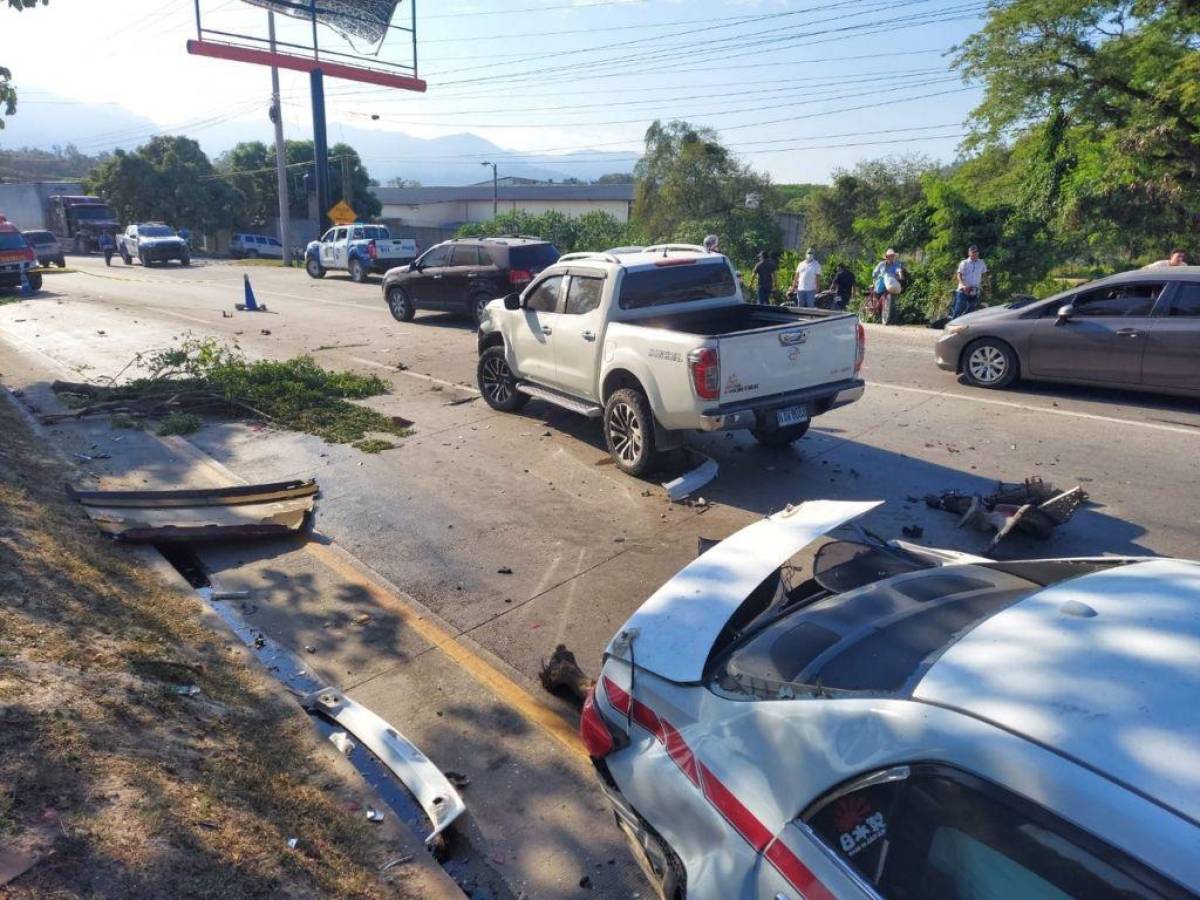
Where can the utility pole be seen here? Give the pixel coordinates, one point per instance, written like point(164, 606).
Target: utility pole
point(346, 187)
point(495, 189)
point(280, 160)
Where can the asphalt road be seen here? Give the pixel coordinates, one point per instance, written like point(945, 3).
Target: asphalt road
point(473, 492)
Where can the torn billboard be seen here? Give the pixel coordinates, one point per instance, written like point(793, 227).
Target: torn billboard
point(366, 20)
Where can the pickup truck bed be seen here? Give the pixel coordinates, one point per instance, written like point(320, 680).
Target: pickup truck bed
point(732, 320)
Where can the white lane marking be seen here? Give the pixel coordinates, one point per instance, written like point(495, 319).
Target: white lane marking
point(1024, 407)
point(394, 370)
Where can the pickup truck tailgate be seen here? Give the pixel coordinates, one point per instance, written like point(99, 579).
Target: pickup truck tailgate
point(783, 358)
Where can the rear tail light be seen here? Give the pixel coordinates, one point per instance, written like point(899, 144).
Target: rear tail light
point(860, 349)
point(372, 250)
point(594, 730)
point(520, 276)
point(705, 365)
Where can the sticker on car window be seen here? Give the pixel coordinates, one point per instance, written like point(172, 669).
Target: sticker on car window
point(859, 826)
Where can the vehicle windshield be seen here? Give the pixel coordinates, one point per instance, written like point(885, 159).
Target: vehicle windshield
point(879, 637)
point(533, 257)
point(39, 237)
point(11, 240)
point(89, 213)
point(155, 231)
point(685, 283)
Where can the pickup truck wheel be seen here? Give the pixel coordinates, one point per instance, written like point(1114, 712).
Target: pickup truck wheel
point(629, 431)
point(251, 254)
point(358, 272)
point(185, 260)
point(35, 281)
point(780, 437)
point(126, 258)
point(314, 268)
point(400, 304)
point(497, 383)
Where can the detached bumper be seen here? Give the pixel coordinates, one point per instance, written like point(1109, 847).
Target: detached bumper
point(761, 411)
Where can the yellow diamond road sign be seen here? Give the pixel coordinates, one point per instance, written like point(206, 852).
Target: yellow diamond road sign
point(342, 214)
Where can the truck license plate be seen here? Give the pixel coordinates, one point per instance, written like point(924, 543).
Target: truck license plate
point(791, 415)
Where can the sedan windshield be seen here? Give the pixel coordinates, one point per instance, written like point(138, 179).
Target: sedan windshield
point(155, 231)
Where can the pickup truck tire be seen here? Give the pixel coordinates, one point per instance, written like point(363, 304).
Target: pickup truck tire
point(358, 272)
point(778, 438)
point(497, 383)
point(61, 262)
point(251, 254)
point(629, 431)
point(400, 304)
point(314, 268)
point(35, 281)
point(185, 260)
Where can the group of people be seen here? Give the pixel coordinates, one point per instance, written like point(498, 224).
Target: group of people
point(805, 282)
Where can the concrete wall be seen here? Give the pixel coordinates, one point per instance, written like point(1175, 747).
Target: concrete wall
point(25, 205)
point(460, 211)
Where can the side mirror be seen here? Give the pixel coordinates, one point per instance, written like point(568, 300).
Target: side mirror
point(1064, 313)
point(512, 301)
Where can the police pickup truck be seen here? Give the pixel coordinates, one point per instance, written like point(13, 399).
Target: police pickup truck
point(358, 249)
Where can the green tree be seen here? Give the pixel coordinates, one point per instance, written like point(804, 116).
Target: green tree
point(595, 230)
point(362, 198)
point(169, 179)
point(8, 93)
point(687, 181)
point(249, 168)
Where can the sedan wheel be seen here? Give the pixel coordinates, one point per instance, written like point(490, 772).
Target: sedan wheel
point(400, 304)
point(990, 363)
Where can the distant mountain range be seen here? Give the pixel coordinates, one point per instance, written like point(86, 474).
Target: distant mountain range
point(448, 160)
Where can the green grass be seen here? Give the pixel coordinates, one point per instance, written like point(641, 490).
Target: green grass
point(373, 445)
point(277, 263)
point(180, 423)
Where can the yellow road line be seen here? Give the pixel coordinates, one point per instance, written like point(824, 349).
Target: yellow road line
point(342, 563)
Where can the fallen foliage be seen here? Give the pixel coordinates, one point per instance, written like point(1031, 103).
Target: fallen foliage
point(204, 377)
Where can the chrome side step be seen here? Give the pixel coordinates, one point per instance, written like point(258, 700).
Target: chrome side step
point(591, 410)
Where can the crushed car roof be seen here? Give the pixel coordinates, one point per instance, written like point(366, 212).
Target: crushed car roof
point(1104, 669)
point(676, 628)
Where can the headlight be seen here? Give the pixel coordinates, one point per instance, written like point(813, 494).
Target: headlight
point(956, 329)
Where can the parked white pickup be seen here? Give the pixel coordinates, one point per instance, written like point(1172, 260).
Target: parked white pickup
point(359, 249)
point(658, 341)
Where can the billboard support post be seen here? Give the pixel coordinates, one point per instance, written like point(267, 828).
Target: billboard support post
point(320, 147)
point(285, 230)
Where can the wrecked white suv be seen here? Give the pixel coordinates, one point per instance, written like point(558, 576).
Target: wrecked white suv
point(876, 719)
point(657, 342)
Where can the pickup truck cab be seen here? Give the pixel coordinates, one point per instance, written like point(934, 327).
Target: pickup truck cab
point(656, 342)
point(151, 242)
point(359, 249)
point(18, 260)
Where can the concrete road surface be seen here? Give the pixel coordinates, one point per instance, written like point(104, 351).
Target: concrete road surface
point(474, 492)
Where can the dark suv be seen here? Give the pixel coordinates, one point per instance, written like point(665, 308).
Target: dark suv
point(465, 274)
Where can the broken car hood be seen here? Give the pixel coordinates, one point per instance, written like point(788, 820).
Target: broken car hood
point(673, 632)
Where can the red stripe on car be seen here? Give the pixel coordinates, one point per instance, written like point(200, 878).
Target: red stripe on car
point(798, 875)
point(744, 822)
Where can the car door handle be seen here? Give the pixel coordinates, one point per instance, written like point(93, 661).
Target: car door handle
point(1129, 332)
point(546, 329)
point(589, 335)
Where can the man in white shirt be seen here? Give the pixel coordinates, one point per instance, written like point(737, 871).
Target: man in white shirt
point(805, 282)
point(1177, 258)
point(970, 282)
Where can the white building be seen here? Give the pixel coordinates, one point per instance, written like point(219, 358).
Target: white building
point(448, 207)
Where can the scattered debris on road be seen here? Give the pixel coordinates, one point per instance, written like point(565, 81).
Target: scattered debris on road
point(688, 483)
point(561, 674)
point(434, 792)
point(1032, 506)
point(253, 510)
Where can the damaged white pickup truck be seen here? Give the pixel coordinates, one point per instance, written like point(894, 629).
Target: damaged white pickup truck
point(658, 341)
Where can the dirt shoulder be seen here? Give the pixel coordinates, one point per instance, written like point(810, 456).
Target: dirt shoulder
point(119, 778)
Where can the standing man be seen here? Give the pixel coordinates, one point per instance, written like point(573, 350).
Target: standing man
point(107, 246)
point(970, 282)
point(889, 269)
point(1177, 258)
point(805, 282)
point(764, 274)
point(842, 284)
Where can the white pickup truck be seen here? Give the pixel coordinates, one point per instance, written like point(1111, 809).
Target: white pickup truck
point(358, 249)
point(656, 342)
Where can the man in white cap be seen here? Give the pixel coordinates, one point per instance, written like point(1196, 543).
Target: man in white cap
point(805, 281)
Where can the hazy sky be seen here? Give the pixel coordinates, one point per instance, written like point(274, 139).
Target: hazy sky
point(798, 88)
